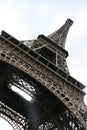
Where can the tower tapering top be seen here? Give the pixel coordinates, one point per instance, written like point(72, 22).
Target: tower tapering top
point(69, 21)
point(59, 36)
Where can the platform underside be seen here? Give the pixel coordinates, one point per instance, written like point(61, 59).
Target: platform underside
point(44, 111)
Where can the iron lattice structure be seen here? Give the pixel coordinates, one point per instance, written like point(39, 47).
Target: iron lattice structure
point(38, 68)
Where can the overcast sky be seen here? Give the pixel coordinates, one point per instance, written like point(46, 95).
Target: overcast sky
point(26, 19)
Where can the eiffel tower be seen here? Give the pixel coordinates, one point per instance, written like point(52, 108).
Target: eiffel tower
point(39, 69)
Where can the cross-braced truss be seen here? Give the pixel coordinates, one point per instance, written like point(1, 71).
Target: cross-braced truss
point(44, 111)
point(56, 98)
point(17, 121)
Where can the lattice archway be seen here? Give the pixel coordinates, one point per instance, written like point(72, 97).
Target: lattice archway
point(17, 121)
point(45, 112)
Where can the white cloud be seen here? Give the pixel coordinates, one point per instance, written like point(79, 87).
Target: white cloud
point(11, 20)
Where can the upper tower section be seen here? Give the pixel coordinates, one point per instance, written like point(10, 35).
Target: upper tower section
point(52, 47)
point(43, 51)
point(59, 36)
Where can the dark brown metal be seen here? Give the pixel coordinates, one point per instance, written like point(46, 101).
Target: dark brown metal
point(39, 69)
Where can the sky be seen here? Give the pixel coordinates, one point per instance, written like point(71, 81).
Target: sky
point(26, 19)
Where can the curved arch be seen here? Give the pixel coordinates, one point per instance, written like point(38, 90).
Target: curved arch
point(13, 118)
point(28, 69)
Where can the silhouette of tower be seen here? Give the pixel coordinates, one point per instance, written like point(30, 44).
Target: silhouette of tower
point(39, 69)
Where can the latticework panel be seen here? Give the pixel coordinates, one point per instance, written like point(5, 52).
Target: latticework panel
point(53, 106)
point(17, 121)
point(44, 111)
